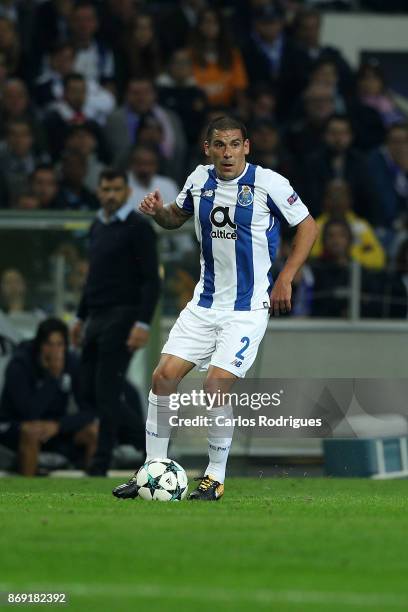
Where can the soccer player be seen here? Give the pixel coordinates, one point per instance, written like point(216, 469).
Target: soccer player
point(237, 209)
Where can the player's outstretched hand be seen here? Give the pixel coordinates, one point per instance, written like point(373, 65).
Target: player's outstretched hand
point(151, 203)
point(281, 295)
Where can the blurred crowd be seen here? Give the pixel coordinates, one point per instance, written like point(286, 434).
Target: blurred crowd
point(132, 84)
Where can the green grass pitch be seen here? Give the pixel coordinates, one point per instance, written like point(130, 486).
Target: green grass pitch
point(270, 544)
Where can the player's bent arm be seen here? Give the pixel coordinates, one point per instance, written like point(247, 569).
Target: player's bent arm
point(171, 216)
point(306, 234)
point(281, 294)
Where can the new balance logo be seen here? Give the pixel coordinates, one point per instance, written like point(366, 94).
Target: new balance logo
point(151, 433)
point(237, 363)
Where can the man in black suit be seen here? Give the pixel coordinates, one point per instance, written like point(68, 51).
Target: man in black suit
point(307, 28)
point(176, 20)
point(118, 303)
point(271, 57)
point(337, 158)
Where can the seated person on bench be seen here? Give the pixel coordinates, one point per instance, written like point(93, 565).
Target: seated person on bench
point(40, 380)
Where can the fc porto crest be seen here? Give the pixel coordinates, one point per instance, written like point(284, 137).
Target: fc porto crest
point(245, 196)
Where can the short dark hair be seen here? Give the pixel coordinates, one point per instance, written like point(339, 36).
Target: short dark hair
point(80, 127)
point(73, 76)
point(261, 88)
point(223, 123)
point(42, 168)
point(305, 13)
point(339, 117)
point(110, 174)
point(85, 4)
point(334, 220)
point(140, 79)
point(324, 61)
point(262, 123)
point(145, 147)
point(17, 122)
point(149, 120)
point(47, 167)
point(46, 328)
point(395, 126)
point(371, 66)
point(70, 155)
point(60, 45)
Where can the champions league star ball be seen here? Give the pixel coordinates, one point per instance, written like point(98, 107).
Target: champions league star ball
point(162, 479)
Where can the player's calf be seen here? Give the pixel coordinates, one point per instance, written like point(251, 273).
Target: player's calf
point(87, 437)
point(29, 447)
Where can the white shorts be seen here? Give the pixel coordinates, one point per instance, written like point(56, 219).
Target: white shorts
point(225, 339)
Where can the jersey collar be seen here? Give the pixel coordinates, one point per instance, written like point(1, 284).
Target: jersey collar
point(229, 181)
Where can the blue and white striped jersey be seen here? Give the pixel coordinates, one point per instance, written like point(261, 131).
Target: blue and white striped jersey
point(237, 225)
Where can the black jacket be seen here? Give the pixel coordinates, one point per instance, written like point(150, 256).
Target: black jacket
point(30, 392)
point(289, 80)
point(318, 170)
point(124, 269)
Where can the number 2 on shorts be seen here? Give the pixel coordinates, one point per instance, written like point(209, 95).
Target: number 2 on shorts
point(240, 353)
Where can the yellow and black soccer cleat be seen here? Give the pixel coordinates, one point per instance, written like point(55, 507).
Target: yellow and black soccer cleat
point(208, 489)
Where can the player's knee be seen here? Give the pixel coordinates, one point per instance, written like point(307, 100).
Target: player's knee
point(164, 380)
point(217, 383)
point(92, 430)
point(88, 434)
point(211, 386)
point(30, 433)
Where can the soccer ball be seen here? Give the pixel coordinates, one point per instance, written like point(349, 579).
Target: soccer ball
point(162, 479)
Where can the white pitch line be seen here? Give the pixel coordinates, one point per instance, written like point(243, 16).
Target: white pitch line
point(262, 596)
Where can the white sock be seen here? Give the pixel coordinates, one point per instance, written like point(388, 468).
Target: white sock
point(219, 443)
point(157, 426)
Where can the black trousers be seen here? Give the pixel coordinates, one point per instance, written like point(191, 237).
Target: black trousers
point(104, 362)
